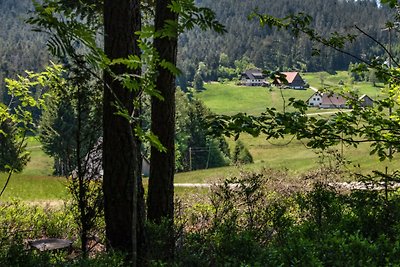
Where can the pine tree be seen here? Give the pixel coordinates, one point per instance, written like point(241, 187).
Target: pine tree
point(13, 154)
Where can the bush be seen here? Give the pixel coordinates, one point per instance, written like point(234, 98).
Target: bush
point(21, 222)
point(241, 155)
point(249, 225)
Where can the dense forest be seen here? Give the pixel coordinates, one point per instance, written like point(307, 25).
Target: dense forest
point(20, 48)
point(244, 43)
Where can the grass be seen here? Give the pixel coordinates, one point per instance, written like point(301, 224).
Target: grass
point(230, 99)
point(326, 80)
point(35, 182)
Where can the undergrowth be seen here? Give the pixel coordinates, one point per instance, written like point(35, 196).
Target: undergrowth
point(254, 219)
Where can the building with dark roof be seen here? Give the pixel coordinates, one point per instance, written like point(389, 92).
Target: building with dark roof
point(294, 81)
point(253, 77)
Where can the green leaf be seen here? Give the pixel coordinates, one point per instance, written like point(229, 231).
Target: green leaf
point(171, 67)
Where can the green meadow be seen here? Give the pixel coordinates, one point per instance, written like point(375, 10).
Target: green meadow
point(292, 155)
point(36, 182)
point(230, 99)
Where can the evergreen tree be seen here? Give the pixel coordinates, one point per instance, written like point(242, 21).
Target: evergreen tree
point(57, 133)
point(241, 155)
point(13, 154)
point(198, 82)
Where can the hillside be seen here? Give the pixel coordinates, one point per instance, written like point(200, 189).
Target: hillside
point(271, 49)
point(230, 99)
point(20, 48)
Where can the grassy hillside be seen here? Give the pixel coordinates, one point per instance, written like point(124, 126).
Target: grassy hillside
point(35, 181)
point(230, 99)
point(329, 81)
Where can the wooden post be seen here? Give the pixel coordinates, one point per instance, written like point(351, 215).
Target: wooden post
point(190, 158)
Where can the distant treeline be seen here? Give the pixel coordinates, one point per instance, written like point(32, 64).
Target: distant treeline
point(213, 56)
point(270, 49)
point(20, 48)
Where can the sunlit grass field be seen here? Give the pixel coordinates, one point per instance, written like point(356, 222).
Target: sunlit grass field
point(230, 99)
point(328, 81)
point(293, 155)
point(36, 182)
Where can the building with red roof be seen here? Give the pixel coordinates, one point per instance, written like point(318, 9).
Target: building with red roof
point(294, 81)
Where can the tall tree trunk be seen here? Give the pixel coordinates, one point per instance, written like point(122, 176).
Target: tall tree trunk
point(162, 168)
point(121, 149)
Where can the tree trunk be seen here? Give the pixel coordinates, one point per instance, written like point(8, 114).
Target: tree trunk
point(162, 168)
point(121, 149)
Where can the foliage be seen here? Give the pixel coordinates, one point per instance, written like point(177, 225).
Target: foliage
point(249, 224)
point(241, 155)
point(362, 124)
point(266, 49)
point(195, 148)
point(21, 49)
point(13, 154)
point(16, 119)
point(271, 49)
point(56, 132)
point(63, 117)
point(198, 82)
point(22, 222)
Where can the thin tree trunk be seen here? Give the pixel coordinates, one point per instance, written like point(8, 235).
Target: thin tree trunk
point(162, 168)
point(121, 148)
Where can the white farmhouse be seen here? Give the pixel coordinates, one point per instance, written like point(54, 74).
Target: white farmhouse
point(253, 77)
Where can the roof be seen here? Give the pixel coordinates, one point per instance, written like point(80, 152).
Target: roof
point(254, 74)
point(333, 99)
point(329, 98)
point(364, 96)
point(290, 76)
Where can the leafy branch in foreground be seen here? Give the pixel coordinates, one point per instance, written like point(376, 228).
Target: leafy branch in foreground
point(379, 125)
point(360, 125)
point(16, 118)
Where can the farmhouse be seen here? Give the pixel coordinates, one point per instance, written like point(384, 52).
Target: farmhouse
point(332, 100)
point(253, 77)
point(366, 101)
point(294, 81)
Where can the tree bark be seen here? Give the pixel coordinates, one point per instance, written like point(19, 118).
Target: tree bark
point(162, 164)
point(121, 149)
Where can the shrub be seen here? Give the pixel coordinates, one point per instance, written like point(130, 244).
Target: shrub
point(241, 155)
point(248, 225)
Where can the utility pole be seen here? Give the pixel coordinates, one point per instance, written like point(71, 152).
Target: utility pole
point(389, 29)
point(190, 158)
